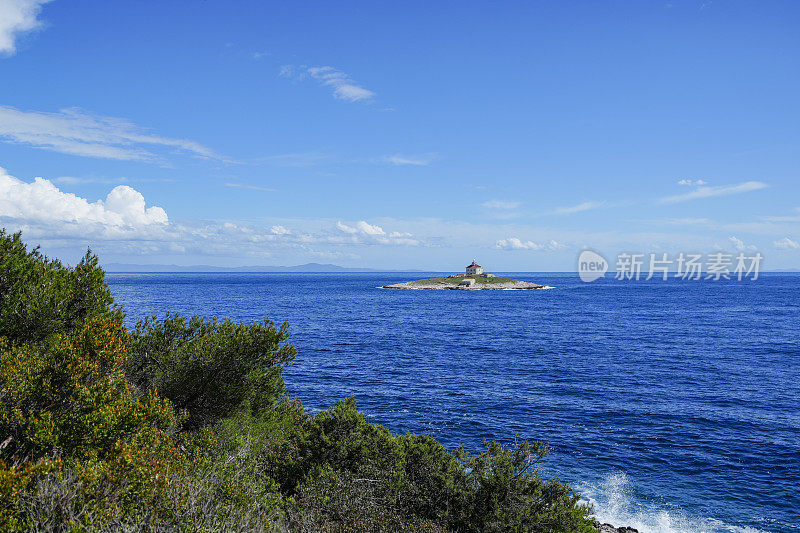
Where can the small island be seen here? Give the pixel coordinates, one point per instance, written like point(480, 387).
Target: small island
point(474, 279)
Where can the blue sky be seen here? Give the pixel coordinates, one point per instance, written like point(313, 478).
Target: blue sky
point(404, 135)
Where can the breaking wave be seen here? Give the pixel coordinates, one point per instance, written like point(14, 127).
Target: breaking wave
point(614, 503)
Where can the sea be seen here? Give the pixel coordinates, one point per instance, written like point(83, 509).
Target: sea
point(673, 406)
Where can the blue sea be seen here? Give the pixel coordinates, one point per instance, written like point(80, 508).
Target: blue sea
point(672, 405)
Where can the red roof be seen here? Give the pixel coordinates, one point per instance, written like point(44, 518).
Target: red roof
point(474, 264)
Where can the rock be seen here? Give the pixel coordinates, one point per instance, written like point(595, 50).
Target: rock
point(435, 284)
point(608, 528)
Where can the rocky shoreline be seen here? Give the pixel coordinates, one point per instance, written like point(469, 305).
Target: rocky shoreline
point(608, 528)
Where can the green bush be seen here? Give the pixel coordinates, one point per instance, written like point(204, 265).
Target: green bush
point(67, 404)
point(40, 297)
point(210, 369)
point(346, 474)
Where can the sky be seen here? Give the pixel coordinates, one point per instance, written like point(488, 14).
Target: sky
point(405, 135)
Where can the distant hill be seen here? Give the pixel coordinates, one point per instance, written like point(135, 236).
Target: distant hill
point(308, 267)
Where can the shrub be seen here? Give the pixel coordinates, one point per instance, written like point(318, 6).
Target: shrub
point(508, 494)
point(66, 404)
point(210, 369)
point(40, 297)
point(348, 475)
point(191, 501)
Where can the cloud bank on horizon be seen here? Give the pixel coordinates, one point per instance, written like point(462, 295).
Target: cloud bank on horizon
point(42, 210)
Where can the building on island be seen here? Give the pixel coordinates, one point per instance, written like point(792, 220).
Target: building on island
point(474, 269)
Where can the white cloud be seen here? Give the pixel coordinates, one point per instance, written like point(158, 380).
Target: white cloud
point(344, 88)
point(122, 223)
point(345, 228)
point(414, 160)
point(585, 206)
point(16, 18)
point(513, 243)
point(692, 183)
point(787, 244)
point(361, 227)
point(43, 205)
point(74, 131)
point(365, 233)
point(501, 204)
point(709, 192)
point(740, 245)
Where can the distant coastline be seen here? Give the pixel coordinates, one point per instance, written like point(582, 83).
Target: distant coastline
point(307, 267)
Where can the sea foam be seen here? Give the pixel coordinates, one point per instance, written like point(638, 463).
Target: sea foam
point(615, 503)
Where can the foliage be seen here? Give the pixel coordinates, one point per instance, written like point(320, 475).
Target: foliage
point(67, 404)
point(193, 500)
point(80, 443)
point(40, 297)
point(209, 368)
point(348, 475)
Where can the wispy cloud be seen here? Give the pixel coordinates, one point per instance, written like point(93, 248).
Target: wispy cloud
point(514, 243)
point(585, 206)
point(762, 225)
point(784, 218)
point(692, 183)
point(76, 132)
point(740, 245)
point(501, 204)
point(787, 244)
point(342, 85)
point(17, 17)
point(311, 159)
point(415, 160)
point(249, 187)
point(710, 192)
